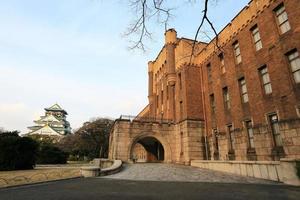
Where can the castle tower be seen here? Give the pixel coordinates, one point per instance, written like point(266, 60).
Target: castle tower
point(170, 44)
point(53, 123)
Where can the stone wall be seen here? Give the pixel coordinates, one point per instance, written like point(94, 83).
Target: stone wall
point(140, 154)
point(282, 171)
point(290, 131)
point(181, 142)
point(263, 141)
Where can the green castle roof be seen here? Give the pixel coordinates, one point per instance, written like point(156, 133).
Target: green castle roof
point(56, 107)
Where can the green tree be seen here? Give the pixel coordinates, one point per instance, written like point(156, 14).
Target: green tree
point(17, 152)
point(91, 140)
point(50, 154)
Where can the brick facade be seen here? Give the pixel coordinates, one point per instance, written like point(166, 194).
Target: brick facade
point(244, 95)
point(282, 101)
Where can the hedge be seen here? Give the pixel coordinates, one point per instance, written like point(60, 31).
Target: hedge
point(49, 154)
point(17, 152)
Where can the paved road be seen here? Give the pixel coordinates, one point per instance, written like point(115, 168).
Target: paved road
point(170, 172)
point(112, 189)
point(175, 182)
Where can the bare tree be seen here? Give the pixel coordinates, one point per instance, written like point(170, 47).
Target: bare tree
point(146, 10)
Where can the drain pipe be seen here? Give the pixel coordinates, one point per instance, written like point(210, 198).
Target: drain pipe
point(204, 113)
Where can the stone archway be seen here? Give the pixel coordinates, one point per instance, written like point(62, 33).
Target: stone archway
point(148, 149)
point(151, 148)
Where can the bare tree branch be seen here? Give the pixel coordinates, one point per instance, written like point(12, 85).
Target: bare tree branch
point(205, 18)
point(147, 9)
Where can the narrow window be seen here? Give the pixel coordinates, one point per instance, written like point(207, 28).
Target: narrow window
point(237, 52)
point(209, 76)
point(282, 19)
point(256, 38)
point(243, 89)
point(215, 131)
point(180, 83)
point(250, 133)
point(231, 137)
point(222, 62)
point(294, 60)
point(181, 143)
point(181, 110)
point(226, 98)
point(162, 97)
point(275, 129)
point(265, 79)
point(167, 92)
point(212, 103)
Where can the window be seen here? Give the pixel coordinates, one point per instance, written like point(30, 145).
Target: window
point(250, 133)
point(244, 92)
point(275, 129)
point(226, 98)
point(162, 97)
point(168, 92)
point(265, 79)
point(294, 60)
point(222, 62)
point(181, 143)
point(209, 76)
point(237, 52)
point(215, 132)
point(282, 19)
point(212, 103)
point(256, 38)
point(180, 83)
point(231, 137)
point(181, 110)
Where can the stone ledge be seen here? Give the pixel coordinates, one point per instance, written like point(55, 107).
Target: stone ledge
point(239, 162)
point(115, 168)
point(281, 171)
point(92, 171)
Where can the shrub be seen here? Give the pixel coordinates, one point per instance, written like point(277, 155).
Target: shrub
point(49, 154)
point(73, 158)
point(27, 149)
point(17, 152)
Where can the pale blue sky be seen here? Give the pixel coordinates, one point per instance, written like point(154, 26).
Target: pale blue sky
point(73, 53)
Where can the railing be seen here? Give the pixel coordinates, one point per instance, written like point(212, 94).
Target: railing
point(144, 119)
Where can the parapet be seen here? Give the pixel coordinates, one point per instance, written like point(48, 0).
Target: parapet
point(150, 66)
point(170, 36)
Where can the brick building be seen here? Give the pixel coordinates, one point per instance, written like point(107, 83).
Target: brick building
point(238, 100)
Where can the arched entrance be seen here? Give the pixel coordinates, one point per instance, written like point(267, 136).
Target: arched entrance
point(147, 149)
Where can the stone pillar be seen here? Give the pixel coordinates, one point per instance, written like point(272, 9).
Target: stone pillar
point(170, 44)
point(171, 114)
point(150, 76)
point(151, 96)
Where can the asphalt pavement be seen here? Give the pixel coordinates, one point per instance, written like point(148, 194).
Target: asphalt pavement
point(115, 189)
